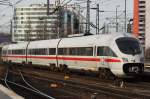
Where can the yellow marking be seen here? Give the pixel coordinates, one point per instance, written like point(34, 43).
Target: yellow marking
point(53, 85)
point(66, 77)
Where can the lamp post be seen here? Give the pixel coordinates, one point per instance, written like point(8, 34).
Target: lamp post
point(88, 18)
point(117, 17)
point(97, 18)
point(125, 13)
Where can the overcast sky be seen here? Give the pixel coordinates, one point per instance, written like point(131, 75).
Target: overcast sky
point(6, 12)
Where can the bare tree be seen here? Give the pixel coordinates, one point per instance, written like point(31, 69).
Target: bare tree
point(38, 32)
point(28, 30)
point(54, 29)
point(45, 30)
point(42, 29)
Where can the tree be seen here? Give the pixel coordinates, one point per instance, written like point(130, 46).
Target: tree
point(42, 29)
point(45, 30)
point(28, 31)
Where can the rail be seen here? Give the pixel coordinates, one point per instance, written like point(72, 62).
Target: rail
point(19, 85)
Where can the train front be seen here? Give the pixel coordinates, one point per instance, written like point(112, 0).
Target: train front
point(131, 54)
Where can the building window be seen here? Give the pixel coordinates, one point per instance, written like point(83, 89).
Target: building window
point(142, 7)
point(142, 11)
point(141, 1)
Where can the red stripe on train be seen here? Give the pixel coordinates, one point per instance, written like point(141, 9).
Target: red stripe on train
point(60, 58)
point(112, 60)
point(68, 58)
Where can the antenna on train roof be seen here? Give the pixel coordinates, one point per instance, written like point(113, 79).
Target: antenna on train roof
point(88, 34)
point(79, 35)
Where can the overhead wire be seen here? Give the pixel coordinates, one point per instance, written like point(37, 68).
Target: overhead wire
point(9, 4)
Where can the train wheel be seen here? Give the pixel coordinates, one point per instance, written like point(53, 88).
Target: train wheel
point(106, 74)
point(63, 68)
point(23, 63)
point(110, 75)
point(52, 67)
point(101, 74)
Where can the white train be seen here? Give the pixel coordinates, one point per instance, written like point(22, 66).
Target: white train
point(119, 54)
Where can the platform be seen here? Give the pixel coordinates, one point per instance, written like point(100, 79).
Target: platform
point(8, 94)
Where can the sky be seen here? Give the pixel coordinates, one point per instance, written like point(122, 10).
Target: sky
point(109, 6)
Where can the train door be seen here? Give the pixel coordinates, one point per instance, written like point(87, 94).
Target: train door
point(5, 52)
point(105, 54)
point(102, 53)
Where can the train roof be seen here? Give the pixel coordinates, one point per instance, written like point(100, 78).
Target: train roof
point(78, 41)
point(21, 45)
point(72, 42)
point(44, 44)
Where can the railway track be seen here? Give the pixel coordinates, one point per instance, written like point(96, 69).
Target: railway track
point(81, 86)
point(71, 85)
point(18, 74)
point(28, 91)
point(98, 88)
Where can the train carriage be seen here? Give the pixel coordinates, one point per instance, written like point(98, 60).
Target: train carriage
point(42, 52)
point(17, 52)
point(119, 54)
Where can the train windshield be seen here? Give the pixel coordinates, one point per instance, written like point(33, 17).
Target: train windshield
point(129, 45)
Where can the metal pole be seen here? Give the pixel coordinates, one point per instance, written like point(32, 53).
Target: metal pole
point(47, 7)
point(12, 23)
point(79, 19)
point(58, 18)
point(98, 18)
point(97, 21)
point(46, 21)
point(125, 15)
point(88, 18)
point(11, 32)
point(117, 18)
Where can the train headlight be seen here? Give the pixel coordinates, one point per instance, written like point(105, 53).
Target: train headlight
point(125, 60)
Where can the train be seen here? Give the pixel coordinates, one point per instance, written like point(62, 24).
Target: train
point(118, 54)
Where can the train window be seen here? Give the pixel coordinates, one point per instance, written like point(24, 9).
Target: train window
point(42, 51)
point(63, 51)
point(128, 45)
point(100, 51)
point(9, 52)
point(83, 51)
point(89, 51)
point(29, 51)
point(105, 51)
point(60, 51)
point(73, 51)
point(18, 52)
point(52, 51)
point(80, 51)
point(4, 52)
